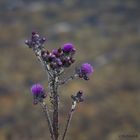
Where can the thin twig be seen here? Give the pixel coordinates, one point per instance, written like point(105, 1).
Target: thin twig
point(46, 112)
point(69, 118)
point(68, 79)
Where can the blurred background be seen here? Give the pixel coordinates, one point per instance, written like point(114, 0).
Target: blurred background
point(106, 33)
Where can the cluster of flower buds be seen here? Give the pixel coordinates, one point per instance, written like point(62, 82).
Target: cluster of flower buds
point(78, 97)
point(58, 58)
point(35, 41)
point(38, 93)
point(85, 71)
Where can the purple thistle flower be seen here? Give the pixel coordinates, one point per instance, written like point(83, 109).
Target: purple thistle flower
point(38, 93)
point(55, 51)
point(37, 89)
point(68, 47)
point(86, 69)
point(58, 61)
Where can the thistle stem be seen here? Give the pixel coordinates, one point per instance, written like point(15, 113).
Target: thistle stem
point(47, 116)
point(68, 79)
point(55, 102)
point(38, 54)
point(55, 117)
point(69, 118)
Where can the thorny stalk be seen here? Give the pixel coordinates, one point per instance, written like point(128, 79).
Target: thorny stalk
point(55, 103)
point(54, 95)
point(69, 118)
point(47, 116)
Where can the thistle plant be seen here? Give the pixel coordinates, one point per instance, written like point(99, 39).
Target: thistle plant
point(55, 62)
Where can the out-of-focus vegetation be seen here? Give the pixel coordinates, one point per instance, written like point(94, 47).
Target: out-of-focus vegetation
point(106, 33)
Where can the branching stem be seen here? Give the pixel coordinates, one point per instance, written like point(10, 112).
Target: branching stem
point(68, 79)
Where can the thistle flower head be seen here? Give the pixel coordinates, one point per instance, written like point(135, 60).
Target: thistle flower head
point(37, 89)
point(59, 62)
point(85, 71)
point(86, 68)
point(55, 51)
point(68, 47)
point(38, 93)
